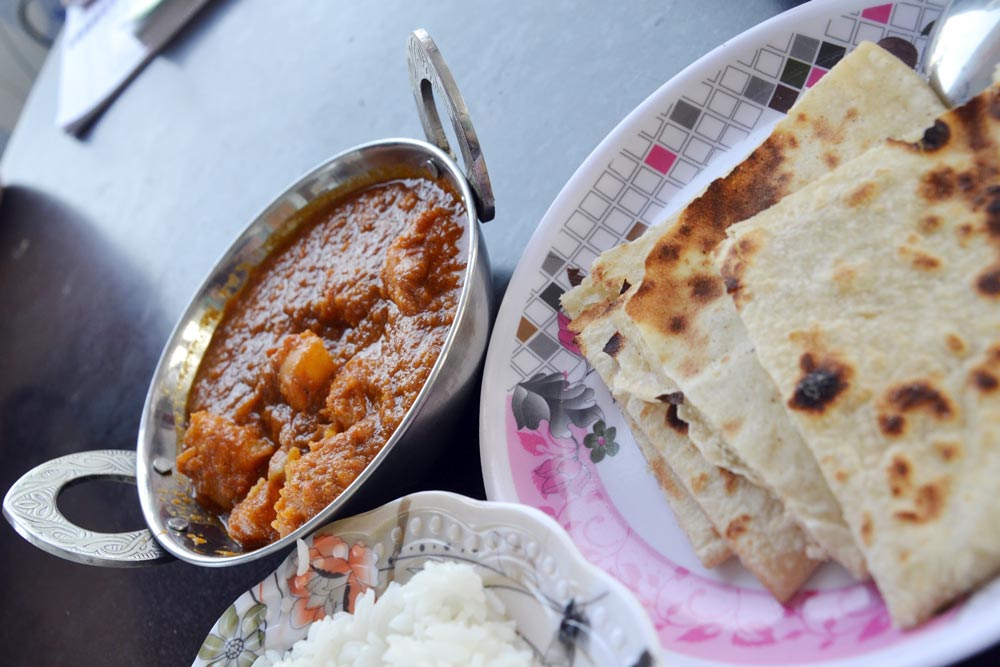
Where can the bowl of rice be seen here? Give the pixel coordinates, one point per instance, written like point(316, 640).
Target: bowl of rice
point(435, 578)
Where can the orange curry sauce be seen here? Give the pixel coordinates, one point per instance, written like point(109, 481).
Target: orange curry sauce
point(317, 359)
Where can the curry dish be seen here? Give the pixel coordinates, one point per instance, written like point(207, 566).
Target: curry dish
point(318, 358)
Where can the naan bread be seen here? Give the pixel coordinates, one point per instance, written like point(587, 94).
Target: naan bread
point(691, 335)
point(709, 547)
point(751, 521)
point(873, 300)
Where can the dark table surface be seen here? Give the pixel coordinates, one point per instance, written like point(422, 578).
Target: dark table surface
point(103, 239)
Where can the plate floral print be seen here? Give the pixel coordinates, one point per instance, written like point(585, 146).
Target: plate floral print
point(236, 639)
point(336, 575)
point(566, 612)
point(563, 435)
point(694, 615)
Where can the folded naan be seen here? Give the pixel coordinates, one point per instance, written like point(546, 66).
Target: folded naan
point(599, 290)
point(740, 514)
point(691, 334)
point(873, 300)
point(748, 518)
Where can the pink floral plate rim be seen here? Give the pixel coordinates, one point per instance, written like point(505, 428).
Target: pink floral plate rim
point(552, 438)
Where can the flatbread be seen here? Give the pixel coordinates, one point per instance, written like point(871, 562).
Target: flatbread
point(591, 302)
point(691, 334)
point(753, 522)
point(750, 520)
point(873, 300)
point(705, 541)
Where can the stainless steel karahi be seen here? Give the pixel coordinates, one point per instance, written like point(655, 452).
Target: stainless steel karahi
point(177, 525)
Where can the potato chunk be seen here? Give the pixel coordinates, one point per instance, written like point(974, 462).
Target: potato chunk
point(304, 368)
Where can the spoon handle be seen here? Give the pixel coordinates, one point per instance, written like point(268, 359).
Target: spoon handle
point(964, 50)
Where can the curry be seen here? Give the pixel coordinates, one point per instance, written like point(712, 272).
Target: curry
point(317, 359)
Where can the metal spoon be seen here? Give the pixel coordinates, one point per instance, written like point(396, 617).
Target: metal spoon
point(964, 51)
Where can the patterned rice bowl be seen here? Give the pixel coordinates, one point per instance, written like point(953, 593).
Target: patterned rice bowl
point(566, 610)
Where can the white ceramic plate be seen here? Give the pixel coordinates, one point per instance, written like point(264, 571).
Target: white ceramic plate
point(571, 613)
point(552, 438)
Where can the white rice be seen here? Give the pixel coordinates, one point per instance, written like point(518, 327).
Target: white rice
point(442, 616)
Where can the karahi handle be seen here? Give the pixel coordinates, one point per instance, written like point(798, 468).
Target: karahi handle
point(430, 76)
point(31, 508)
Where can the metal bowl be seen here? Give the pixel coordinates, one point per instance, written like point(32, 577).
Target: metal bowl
point(178, 526)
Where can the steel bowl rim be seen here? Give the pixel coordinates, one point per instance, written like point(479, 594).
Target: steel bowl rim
point(146, 433)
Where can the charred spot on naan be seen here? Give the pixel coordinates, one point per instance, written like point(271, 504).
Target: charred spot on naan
point(928, 503)
point(919, 259)
point(824, 378)
point(698, 483)
point(992, 209)
point(966, 181)
point(948, 451)
point(732, 271)
point(734, 266)
point(935, 137)
point(900, 475)
point(674, 421)
point(679, 263)
point(844, 276)
point(867, 529)
point(925, 261)
point(984, 376)
point(861, 195)
point(970, 125)
point(730, 480)
point(988, 282)
point(665, 478)
point(892, 425)
point(974, 116)
point(664, 253)
point(673, 398)
point(930, 224)
point(826, 133)
point(956, 344)
point(919, 396)
point(754, 185)
point(614, 345)
point(937, 185)
point(738, 527)
point(984, 380)
point(965, 232)
point(705, 287)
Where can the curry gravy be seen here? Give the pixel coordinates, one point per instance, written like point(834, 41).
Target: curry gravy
point(318, 358)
